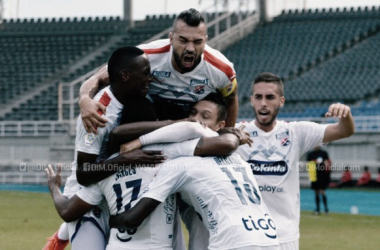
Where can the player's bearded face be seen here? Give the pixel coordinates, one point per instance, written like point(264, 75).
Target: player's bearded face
point(186, 61)
point(188, 45)
point(266, 102)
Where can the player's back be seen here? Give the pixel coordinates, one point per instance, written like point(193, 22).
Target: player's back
point(224, 192)
point(122, 191)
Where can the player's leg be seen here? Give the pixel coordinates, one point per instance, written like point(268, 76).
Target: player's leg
point(317, 201)
point(89, 237)
point(293, 245)
point(93, 224)
point(59, 240)
point(324, 199)
point(198, 233)
point(257, 248)
point(178, 239)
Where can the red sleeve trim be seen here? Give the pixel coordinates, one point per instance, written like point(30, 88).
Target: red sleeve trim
point(161, 50)
point(224, 67)
point(105, 100)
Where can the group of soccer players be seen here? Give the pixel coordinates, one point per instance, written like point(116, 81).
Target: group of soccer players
point(235, 186)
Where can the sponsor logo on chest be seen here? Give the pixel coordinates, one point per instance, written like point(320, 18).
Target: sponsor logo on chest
point(162, 74)
point(268, 167)
point(198, 82)
point(284, 138)
point(282, 135)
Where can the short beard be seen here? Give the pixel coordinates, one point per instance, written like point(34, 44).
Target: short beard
point(178, 60)
point(271, 121)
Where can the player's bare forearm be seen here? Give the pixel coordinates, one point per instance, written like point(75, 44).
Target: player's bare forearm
point(133, 217)
point(89, 172)
point(130, 131)
point(91, 86)
point(221, 145)
point(232, 108)
point(88, 107)
point(68, 209)
point(344, 128)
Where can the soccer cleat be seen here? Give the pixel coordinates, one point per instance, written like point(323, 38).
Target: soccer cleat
point(54, 243)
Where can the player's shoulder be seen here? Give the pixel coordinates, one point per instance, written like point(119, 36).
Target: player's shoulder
point(219, 61)
point(248, 125)
point(156, 47)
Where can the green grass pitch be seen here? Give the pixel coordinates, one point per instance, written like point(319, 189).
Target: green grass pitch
point(28, 218)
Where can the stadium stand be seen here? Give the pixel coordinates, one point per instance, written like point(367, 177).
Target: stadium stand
point(38, 53)
point(313, 51)
point(323, 56)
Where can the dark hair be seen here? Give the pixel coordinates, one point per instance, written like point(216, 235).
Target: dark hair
point(366, 168)
point(218, 99)
point(121, 59)
point(270, 78)
point(191, 17)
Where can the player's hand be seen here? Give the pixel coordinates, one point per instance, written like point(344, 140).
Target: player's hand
point(245, 138)
point(54, 179)
point(129, 146)
point(139, 156)
point(338, 110)
point(89, 113)
point(242, 135)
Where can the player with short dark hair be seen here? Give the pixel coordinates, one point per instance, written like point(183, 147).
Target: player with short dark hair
point(277, 148)
point(90, 148)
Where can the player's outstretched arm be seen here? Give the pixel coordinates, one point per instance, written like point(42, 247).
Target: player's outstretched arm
point(89, 171)
point(133, 217)
point(232, 108)
point(88, 107)
point(69, 209)
point(224, 144)
point(131, 131)
point(173, 131)
point(344, 128)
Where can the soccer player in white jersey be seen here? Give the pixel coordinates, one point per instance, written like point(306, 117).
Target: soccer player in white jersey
point(277, 148)
point(122, 188)
point(186, 70)
point(222, 190)
point(130, 76)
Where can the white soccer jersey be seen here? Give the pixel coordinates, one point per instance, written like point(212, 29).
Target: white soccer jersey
point(224, 192)
point(213, 72)
point(274, 159)
point(123, 190)
point(94, 143)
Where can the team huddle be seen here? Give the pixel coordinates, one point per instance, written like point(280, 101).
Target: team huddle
point(158, 144)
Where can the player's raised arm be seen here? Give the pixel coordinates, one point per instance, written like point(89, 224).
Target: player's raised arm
point(68, 209)
point(176, 132)
point(232, 108)
point(344, 128)
point(224, 144)
point(88, 107)
point(130, 131)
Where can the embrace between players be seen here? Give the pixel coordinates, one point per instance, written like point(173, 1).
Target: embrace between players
point(208, 171)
